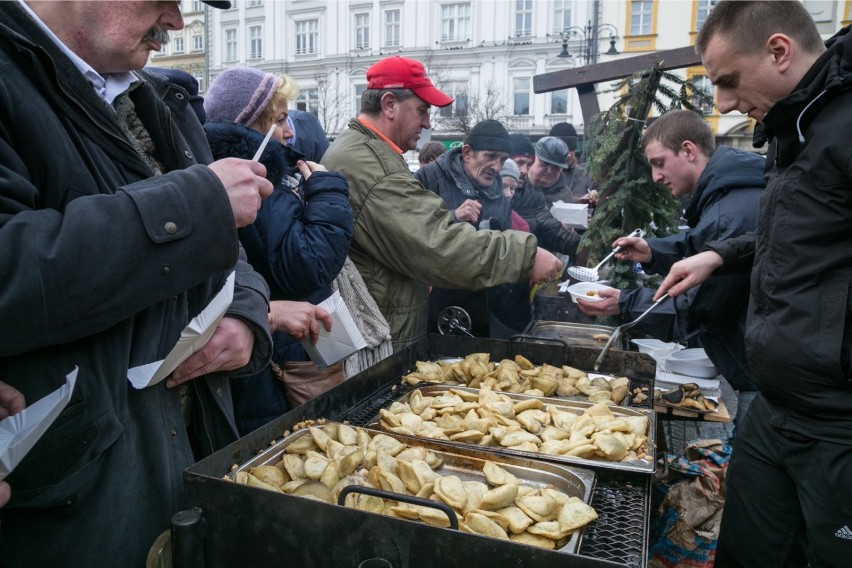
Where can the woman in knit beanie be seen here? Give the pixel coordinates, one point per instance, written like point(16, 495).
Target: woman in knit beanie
point(253, 98)
point(298, 242)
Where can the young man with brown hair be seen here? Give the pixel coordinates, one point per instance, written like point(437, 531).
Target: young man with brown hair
point(790, 479)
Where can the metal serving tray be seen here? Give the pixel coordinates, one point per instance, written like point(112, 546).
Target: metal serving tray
point(573, 334)
point(228, 524)
point(645, 466)
point(467, 463)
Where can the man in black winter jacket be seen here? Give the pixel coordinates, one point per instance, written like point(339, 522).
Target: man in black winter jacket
point(790, 478)
point(725, 186)
point(114, 236)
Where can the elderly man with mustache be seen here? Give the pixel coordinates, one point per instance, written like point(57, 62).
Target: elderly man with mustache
point(115, 234)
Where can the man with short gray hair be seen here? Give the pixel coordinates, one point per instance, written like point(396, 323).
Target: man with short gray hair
point(405, 239)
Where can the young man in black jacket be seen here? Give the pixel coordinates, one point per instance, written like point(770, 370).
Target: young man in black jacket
point(790, 479)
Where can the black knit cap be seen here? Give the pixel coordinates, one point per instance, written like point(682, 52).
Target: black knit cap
point(566, 132)
point(489, 135)
point(520, 146)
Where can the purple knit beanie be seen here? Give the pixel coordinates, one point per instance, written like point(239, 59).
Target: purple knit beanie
point(239, 94)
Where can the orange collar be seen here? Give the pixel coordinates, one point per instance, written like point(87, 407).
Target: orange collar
point(366, 124)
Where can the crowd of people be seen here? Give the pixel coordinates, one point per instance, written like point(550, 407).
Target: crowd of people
point(127, 201)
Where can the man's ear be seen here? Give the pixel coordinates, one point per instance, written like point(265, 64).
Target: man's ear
point(388, 102)
point(781, 47)
point(466, 151)
point(689, 149)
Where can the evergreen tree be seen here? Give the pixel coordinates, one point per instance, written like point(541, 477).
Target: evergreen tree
point(627, 196)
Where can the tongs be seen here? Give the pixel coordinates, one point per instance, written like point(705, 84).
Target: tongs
point(591, 274)
point(623, 327)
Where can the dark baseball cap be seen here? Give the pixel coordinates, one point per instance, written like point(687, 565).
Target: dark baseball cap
point(553, 151)
point(221, 5)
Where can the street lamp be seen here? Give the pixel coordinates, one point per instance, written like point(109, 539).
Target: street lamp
point(590, 37)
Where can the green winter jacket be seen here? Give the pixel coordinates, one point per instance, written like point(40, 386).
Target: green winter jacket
point(405, 240)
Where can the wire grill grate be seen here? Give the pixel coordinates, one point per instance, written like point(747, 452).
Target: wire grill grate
point(618, 535)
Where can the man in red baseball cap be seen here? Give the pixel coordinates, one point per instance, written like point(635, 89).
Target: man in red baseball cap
point(404, 239)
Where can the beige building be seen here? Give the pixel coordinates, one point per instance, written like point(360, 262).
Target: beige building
point(483, 52)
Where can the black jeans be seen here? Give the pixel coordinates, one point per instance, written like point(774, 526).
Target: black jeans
point(789, 499)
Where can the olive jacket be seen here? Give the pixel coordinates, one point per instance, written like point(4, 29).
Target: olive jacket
point(103, 266)
point(404, 239)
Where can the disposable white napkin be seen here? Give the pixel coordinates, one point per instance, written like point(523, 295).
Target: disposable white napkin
point(193, 337)
point(343, 340)
point(19, 433)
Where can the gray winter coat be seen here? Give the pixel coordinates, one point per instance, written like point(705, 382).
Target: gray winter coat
point(103, 265)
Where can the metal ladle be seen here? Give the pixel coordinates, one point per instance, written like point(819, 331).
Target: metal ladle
point(623, 327)
point(591, 274)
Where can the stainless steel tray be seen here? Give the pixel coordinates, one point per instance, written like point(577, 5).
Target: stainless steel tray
point(467, 463)
point(573, 334)
point(645, 466)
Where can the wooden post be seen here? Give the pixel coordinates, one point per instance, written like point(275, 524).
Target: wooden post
point(585, 78)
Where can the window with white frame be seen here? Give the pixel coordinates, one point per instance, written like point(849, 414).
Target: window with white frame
point(307, 37)
point(641, 16)
point(359, 91)
point(460, 102)
point(256, 42)
point(392, 27)
point(702, 8)
point(523, 18)
point(521, 95)
point(702, 94)
point(197, 42)
point(178, 44)
point(253, 3)
point(309, 101)
point(196, 6)
point(231, 45)
point(362, 31)
point(199, 76)
point(561, 15)
point(559, 102)
point(455, 22)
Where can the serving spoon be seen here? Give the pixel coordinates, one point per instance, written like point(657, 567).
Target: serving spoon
point(591, 274)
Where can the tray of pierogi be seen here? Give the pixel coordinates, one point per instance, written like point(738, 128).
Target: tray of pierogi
point(583, 433)
point(469, 489)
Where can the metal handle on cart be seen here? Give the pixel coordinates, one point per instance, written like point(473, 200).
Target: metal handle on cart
point(410, 499)
point(187, 535)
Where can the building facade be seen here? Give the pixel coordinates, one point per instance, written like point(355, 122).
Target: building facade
point(483, 52)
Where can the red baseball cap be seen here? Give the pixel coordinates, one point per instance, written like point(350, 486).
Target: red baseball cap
point(402, 73)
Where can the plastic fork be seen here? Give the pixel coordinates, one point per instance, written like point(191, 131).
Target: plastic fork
point(625, 326)
point(591, 274)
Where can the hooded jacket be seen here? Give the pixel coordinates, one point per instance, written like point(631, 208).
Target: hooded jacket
point(724, 204)
point(103, 265)
point(404, 239)
point(298, 243)
point(799, 329)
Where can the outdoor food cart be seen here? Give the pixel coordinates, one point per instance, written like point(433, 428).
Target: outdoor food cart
point(228, 523)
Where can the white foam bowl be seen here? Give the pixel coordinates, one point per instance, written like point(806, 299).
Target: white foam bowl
point(587, 290)
point(691, 362)
point(651, 345)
